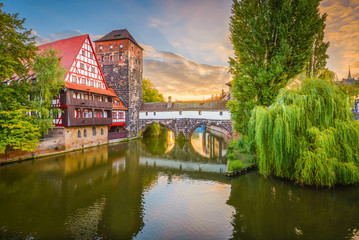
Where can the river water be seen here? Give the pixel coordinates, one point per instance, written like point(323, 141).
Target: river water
point(158, 189)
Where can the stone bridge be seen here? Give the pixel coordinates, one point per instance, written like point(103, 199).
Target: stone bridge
point(185, 117)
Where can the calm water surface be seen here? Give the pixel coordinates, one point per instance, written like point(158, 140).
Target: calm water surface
point(156, 189)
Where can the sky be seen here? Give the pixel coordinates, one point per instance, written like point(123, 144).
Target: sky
point(186, 42)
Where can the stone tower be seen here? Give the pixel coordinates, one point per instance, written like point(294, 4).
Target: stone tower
point(120, 58)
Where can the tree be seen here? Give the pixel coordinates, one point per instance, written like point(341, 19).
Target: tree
point(19, 129)
point(48, 82)
point(16, 46)
point(308, 135)
point(318, 57)
point(273, 42)
point(150, 93)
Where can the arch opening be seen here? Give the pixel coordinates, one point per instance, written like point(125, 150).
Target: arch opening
point(157, 138)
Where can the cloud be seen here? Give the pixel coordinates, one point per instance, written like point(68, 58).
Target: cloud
point(197, 29)
point(39, 39)
point(342, 33)
point(183, 79)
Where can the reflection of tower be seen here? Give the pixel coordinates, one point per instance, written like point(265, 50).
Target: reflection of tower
point(120, 58)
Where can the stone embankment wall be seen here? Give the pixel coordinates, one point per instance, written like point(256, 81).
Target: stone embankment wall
point(61, 140)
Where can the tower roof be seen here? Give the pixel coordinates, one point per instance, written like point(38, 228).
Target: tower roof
point(118, 35)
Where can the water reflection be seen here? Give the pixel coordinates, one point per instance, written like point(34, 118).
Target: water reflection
point(208, 144)
point(130, 190)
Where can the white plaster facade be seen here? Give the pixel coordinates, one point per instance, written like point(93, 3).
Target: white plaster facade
point(210, 115)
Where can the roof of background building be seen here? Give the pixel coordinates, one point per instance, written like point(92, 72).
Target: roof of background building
point(184, 106)
point(118, 35)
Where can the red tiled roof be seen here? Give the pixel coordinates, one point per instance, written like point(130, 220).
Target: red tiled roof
point(116, 106)
point(85, 88)
point(69, 49)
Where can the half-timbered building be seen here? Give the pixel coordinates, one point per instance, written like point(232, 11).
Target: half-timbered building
point(85, 99)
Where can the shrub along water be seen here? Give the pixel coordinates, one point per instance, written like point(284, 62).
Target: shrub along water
point(308, 135)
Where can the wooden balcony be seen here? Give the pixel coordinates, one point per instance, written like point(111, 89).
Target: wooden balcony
point(88, 121)
point(116, 135)
point(89, 103)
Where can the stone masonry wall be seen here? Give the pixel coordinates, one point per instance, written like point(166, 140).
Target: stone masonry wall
point(81, 137)
point(188, 125)
point(122, 69)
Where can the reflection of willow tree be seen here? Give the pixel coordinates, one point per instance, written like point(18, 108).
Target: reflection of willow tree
point(272, 209)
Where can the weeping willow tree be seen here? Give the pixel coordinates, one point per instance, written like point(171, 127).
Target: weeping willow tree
point(308, 135)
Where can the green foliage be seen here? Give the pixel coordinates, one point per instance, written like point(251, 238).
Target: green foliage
point(273, 42)
point(49, 81)
point(181, 137)
point(234, 164)
point(19, 130)
point(150, 93)
point(16, 46)
point(308, 135)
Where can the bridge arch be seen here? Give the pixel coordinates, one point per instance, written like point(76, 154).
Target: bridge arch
point(145, 124)
point(226, 127)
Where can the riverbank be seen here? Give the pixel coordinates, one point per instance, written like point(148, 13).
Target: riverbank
point(46, 148)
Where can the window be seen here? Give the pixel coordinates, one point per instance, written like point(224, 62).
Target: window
point(85, 133)
point(100, 47)
point(180, 112)
point(101, 131)
point(102, 58)
point(79, 133)
point(83, 81)
point(82, 66)
point(111, 47)
point(199, 112)
point(83, 53)
point(121, 57)
point(91, 83)
point(111, 58)
point(220, 113)
point(106, 99)
point(101, 114)
point(74, 79)
point(154, 113)
point(114, 115)
point(146, 113)
point(105, 114)
point(91, 55)
point(99, 98)
point(121, 46)
point(92, 69)
point(121, 115)
point(86, 96)
point(77, 113)
point(131, 48)
point(93, 131)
